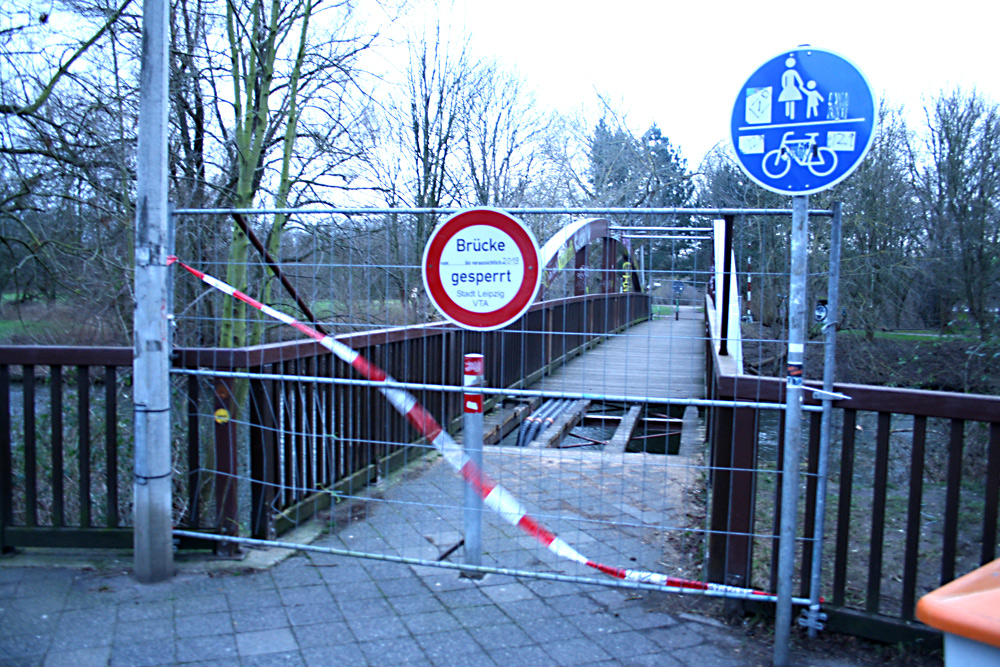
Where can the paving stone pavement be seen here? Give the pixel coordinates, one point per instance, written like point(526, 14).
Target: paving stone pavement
point(315, 609)
point(282, 607)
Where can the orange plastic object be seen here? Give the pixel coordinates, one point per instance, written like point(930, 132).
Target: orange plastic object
point(968, 607)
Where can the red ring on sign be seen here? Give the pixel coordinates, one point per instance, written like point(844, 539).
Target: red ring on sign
point(527, 247)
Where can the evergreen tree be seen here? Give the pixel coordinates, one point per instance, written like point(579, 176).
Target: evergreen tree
point(644, 172)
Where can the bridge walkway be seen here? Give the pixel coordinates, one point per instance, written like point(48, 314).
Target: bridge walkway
point(654, 362)
point(660, 359)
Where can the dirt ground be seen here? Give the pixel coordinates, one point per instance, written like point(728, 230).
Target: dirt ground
point(755, 631)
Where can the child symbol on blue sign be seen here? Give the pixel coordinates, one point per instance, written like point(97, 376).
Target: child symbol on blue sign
point(813, 98)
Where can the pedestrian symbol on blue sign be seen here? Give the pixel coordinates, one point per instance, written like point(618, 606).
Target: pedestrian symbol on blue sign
point(803, 121)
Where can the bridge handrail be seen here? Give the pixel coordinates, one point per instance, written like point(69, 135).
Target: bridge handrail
point(319, 417)
point(733, 437)
point(267, 353)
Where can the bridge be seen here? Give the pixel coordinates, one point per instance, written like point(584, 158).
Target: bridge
point(309, 433)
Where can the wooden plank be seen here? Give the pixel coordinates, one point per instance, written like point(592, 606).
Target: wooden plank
point(6, 470)
point(877, 627)
point(946, 405)
point(74, 538)
point(499, 422)
point(624, 431)
point(87, 538)
point(60, 355)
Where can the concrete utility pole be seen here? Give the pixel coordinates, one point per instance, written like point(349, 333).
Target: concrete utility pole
point(154, 559)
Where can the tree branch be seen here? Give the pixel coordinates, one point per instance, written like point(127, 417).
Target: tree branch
point(28, 109)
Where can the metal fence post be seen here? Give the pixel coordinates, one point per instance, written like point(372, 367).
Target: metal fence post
point(829, 371)
point(263, 461)
point(734, 462)
point(226, 501)
point(726, 290)
point(472, 442)
point(6, 476)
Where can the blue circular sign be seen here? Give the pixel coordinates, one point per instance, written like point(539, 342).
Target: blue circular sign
point(803, 121)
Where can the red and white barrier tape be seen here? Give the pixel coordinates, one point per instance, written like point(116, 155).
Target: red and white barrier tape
point(494, 496)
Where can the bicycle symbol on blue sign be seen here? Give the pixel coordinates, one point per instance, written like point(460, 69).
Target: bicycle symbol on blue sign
point(803, 121)
point(820, 160)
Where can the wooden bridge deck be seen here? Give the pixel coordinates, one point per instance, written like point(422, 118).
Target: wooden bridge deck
point(660, 359)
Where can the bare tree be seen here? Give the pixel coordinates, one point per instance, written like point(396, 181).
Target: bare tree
point(416, 159)
point(25, 38)
point(499, 139)
point(957, 180)
point(65, 219)
point(880, 231)
point(275, 130)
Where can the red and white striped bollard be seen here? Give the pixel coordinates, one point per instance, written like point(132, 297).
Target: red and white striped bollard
point(472, 442)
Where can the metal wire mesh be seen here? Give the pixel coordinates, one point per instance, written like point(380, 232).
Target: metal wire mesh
point(622, 474)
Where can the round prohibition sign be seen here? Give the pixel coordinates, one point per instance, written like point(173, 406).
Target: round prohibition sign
point(481, 269)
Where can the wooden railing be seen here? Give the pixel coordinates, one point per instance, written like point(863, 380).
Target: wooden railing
point(915, 475)
point(913, 495)
point(301, 435)
point(65, 461)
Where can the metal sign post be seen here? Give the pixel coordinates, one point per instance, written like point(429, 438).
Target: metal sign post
point(793, 426)
point(472, 443)
point(481, 271)
point(814, 619)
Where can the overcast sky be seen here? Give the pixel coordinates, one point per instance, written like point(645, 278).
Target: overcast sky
point(683, 64)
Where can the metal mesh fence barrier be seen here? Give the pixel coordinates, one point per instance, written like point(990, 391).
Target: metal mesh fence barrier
point(600, 399)
point(610, 362)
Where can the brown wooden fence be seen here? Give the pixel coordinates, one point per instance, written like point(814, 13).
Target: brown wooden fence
point(303, 434)
point(61, 475)
point(913, 496)
point(915, 475)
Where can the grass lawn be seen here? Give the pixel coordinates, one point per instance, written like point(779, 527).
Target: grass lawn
point(13, 327)
point(927, 336)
